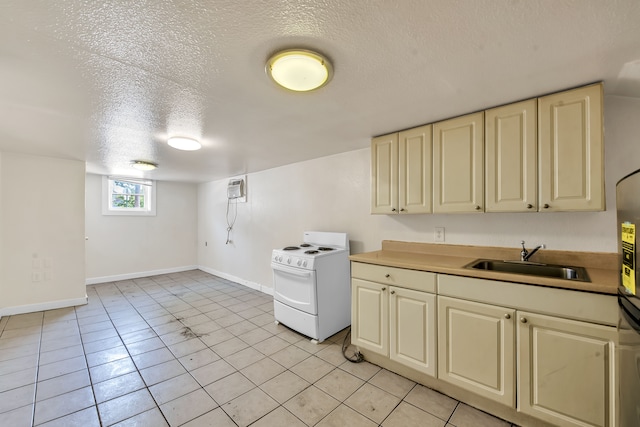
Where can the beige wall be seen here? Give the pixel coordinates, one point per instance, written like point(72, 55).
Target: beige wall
point(332, 194)
point(121, 247)
point(41, 233)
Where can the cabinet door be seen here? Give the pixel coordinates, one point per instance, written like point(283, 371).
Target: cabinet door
point(566, 371)
point(384, 174)
point(370, 316)
point(414, 170)
point(412, 329)
point(511, 158)
point(476, 348)
point(458, 167)
point(571, 150)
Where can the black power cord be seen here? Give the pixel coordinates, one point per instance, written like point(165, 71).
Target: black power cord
point(357, 356)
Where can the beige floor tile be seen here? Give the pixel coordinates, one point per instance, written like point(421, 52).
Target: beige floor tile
point(152, 417)
point(111, 370)
point(116, 387)
point(62, 384)
point(466, 416)
point(284, 386)
point(249, 407)
point(162, 372)
point(312, 369)
point(100, 345)
point(173, 388)
point(21, 321)
point(244, 358)
point(262, 320)
point(262, 371)
point(339, 384)
point(126, 406)
point(311, 347)
point(17, 379)
point(188, 407)
point(242, 327)
point(153, 357)
point(99, 335)
point(392, 383)
point(229, 387)
point(207, 374)
point(372, 402)
point(406, 415)
point(290, 356)
point(140, 335)
point(87, 417)
point(215, 418)
point(200, 358)
point(217, 337)
point(61, 354)
point(187, 347)
point(279, 417)
point(255, 335)
point(345, 416)
point(29, 361)
point(62, 367)
point(311, 405)
point(144, 346)
point(432, 401)
point(271, 345)
point(229, 347)
point(362, 370)
point(18, 352)
point(332, 354)
point(107, 356)
point(17, 417)
point(64, 404)
point(204, 329)
point(16, 398)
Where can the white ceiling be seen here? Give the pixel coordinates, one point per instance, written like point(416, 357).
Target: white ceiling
point(108, 81)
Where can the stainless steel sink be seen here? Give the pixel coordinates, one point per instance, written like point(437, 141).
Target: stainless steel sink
point(531, 269)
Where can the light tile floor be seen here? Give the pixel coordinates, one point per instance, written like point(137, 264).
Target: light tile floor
point(193, 349)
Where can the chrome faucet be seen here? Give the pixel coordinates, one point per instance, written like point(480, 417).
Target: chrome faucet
point(525, 254)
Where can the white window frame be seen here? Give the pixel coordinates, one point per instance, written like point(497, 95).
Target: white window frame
point(150, 197)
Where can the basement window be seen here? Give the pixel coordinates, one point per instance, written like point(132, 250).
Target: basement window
point(128, 196)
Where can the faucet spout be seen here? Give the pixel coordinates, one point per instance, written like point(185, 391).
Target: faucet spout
point(525, 254)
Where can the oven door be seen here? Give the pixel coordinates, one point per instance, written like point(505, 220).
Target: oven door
point(295, 287)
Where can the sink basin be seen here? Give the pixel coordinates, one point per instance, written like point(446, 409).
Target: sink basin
point(531, 269)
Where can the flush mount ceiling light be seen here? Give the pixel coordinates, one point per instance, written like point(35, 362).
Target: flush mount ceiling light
point(299, 70)
point(143, 166)
point(183, 143)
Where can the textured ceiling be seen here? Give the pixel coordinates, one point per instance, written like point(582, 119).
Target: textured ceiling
point(108, 81)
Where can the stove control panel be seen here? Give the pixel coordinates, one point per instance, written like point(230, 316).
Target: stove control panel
point(292, 260)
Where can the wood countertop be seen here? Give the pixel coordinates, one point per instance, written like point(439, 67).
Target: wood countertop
point(602, 267)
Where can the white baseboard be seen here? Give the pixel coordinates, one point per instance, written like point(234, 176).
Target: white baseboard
point(257, 286)
point(128, 276)
point(49, 305)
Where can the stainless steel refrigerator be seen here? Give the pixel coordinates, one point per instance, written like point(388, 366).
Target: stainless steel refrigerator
point(628, 205)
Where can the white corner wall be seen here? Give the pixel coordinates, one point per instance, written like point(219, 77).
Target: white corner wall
point(124, 247)
point(333, 194)
point(41, 233)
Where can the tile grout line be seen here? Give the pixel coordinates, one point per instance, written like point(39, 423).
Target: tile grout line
point(35, 385)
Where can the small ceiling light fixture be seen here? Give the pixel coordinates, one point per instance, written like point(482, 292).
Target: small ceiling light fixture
point(184, 143)
point(299, 70)
point(143, 166)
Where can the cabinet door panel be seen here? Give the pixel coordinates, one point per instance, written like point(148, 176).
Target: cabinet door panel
point(567, 371)
point(384, 174)
point(511, 158)
point(571, 150)
point(412, 329)
point(476, 345)
point(414, 170)
point(458, 153)
point(370, 316)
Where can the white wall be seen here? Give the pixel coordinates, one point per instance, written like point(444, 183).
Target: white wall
point(333, 194)
point(121, 247)
point(41, 233)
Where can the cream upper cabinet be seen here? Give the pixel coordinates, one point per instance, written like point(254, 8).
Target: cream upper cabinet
point(511, 158)
point(401, 172)
point(566, 371)
point(476, 348)
point(570, 140)
point(384, 174)
point(458, 164)
point(412, 329)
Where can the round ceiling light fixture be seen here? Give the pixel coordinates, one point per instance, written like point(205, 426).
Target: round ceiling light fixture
point(184, 143)
point(141, 165)
point(299, 70)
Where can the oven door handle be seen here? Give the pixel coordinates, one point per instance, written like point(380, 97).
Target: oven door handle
point(292, 270)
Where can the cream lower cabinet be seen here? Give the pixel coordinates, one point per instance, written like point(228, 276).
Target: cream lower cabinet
point(393, 320)
point(566, 371)
point(476, 348)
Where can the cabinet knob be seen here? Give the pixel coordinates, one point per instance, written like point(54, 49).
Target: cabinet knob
point(401, 209)
point(507, 316)
point(478, 208)
point(387, 275)
point(546, 206)
point(393, 292)
point(393, 209)
point(523, 320)
point(529, 206)
point(384, 289)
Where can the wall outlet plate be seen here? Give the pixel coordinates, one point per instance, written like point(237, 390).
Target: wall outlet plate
point(438, 234)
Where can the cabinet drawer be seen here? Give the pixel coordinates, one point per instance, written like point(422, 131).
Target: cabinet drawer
point(401, 277)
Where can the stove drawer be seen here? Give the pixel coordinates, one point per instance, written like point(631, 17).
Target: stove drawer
point(401, 277)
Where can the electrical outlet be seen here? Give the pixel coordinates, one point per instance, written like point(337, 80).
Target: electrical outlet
point(36, 276)
point(438, 234)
